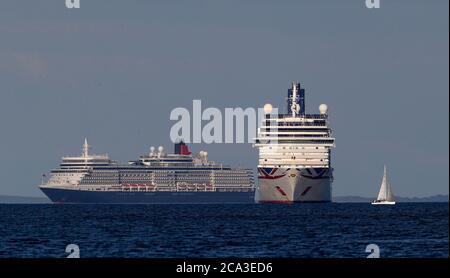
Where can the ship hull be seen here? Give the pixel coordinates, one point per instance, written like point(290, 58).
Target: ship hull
point(291, 185)
point(58, 195)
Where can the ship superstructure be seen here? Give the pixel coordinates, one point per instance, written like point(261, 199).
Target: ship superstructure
point(295, 153)
point(156, 177)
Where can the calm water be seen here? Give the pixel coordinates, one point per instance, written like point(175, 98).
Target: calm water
point(301, 230)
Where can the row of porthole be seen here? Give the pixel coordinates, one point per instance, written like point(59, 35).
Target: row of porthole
point(292, 148)
point(306, 159)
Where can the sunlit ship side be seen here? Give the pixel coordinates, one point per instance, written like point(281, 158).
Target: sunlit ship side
point(294, 153)
point(154, 178)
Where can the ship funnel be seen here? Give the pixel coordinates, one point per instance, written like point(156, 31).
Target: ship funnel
point(181, 148)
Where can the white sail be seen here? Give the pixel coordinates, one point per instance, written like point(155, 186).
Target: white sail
point(382, 193)
point(385, 193)
point(389, 193)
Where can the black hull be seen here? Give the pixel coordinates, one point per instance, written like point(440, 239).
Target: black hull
point(136, 197)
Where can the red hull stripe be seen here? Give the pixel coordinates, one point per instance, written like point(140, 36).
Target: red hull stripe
point(280, 190)
point(306, 191)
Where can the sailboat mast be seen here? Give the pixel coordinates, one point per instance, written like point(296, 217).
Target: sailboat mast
point(385, 184)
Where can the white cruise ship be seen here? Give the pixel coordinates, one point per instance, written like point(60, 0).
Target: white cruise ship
point(157, 177)
point(294, 153)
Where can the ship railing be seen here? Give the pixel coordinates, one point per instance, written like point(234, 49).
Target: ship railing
point(136, 187)
point(306, 116)
point(205, 187)
point(291, 125)
point(192, 187)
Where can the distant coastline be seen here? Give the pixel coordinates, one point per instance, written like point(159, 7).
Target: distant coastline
point(5, 199)
point(357, 199)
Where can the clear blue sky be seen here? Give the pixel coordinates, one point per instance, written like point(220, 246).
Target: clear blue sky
point(113, 70)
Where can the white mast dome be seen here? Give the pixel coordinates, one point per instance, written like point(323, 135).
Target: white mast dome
point(323, 109)
point(268, 108)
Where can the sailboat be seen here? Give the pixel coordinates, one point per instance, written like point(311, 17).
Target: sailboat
point(385, 196)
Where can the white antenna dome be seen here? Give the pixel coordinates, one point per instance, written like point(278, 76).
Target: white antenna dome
point(160, 149)
point(152, 151)
point(205, 154)
point(323, 109)
point(268, 108)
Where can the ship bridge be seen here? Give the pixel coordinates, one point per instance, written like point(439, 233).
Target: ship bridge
point(86, 160)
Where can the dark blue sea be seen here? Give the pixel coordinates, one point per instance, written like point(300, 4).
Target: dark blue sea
point(250, 231)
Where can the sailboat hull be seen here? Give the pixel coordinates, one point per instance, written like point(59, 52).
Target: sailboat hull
point(383, 203)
